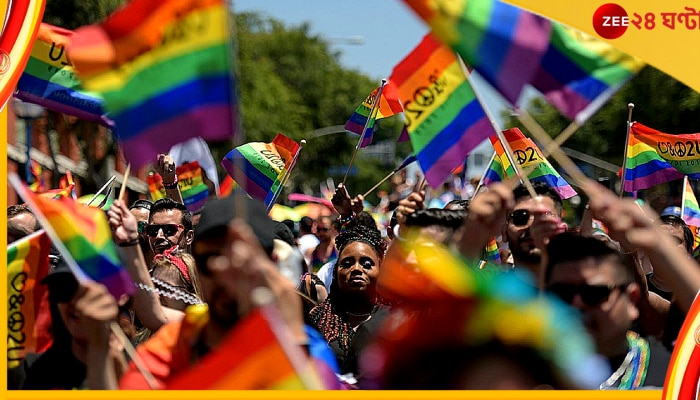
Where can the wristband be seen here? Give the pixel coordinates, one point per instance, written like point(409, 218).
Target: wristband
point(134, 242)
point(172, 185)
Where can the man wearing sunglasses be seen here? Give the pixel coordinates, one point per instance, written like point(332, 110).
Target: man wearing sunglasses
point(602, 284)
point(169, 224)
point(531, 223)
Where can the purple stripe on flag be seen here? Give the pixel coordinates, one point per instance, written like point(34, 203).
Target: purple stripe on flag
point(652, 179)
point(522, 62)
point(119, 283)
point(211, 123)
point(451, 158)
point(64, 108)
point(565, 99)
point(354, 127)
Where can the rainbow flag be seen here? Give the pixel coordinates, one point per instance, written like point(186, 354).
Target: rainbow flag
point(49, 79)
point(86, 235)
point(511, 47)
point(66, 189)
point(528, 155)
point(691, 210)
point(27, 305)
point(443, 117)
point(264, 166)
point(228, 185)
point(389, 105)
point(492, 254)
point(35, 180)
point(655, 157)
point(155, 186)
point(683, 373)
point(192, 187)
point(250, 357)
point(164, 70)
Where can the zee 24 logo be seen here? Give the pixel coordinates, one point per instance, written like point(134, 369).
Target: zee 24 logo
point(611, 20)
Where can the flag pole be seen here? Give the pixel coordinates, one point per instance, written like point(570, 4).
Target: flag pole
point(630, 107)
point(685, 186)
point(364, 129)
point(481, 180)
point(126, 178)
point(286, 175)
point(109, 182)
point(499, 133)
point(403, 165)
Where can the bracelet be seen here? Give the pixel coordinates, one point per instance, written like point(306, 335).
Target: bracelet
point(345, 221)
point(134, 242)
point(172, 185)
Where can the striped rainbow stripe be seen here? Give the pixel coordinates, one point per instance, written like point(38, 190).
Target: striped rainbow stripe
point(389, 105)
point(264, 165)
point(691, 209)
point(443, 117)
point(525, 150)
point(50, 81)
point(163, 68)
point(655, 157)
point(511, 47)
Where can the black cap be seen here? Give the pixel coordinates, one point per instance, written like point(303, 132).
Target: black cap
point(142, 203)
point(218, 213)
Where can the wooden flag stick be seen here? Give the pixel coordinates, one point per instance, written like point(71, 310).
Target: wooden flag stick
point(557, 153)
point(126, 178)
point(380, 182)
point(375, 105)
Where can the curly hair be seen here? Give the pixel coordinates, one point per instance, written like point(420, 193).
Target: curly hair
point(363, 233)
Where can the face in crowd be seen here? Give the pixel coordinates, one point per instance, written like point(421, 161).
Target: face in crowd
point(170, 224)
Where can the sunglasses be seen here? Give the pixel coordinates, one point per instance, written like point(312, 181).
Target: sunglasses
point(168, 229)
point(141, 226)
point(591, 295)
point(322, 229)
point(522, 217)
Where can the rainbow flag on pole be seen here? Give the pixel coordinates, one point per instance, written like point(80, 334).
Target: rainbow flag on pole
point(27, 265)
point(264, 166)
point(389, 105)
point(690, 211)
point(683, 373)
point(528, 155)
point(49, 79)
point(444, 120)
point(655, 157)
point(164, 70)
point(85, 234)
point(511, 47)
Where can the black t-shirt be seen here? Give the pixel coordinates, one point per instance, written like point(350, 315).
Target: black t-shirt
point(57, 368)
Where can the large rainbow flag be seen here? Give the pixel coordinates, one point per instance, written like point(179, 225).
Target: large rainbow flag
point(263, 165)
point(86, 235)
point(164, 70)
point(511, 47)
point(49, 79)
point(527, 155)
point(250, 357)
point(444, 120)
point(389, 104)
point(27, 302)
point(655, 157)
point(683, 373)
point(690, 211)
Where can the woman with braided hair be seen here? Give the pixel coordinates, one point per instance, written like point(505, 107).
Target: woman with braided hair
point(349, 316)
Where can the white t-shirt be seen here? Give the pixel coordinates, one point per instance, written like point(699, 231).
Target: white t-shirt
point(325, 274)
point(307, 242)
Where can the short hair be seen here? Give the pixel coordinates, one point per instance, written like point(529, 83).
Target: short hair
point(167, 203)
point(17, 209)
point(457, 204)
point(677, 222)
point(542, 189)
point(362, 233)
point(363, 218)
point(570, 246)
point(306, 224)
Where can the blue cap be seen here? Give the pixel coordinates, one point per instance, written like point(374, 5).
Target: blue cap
point(671, 210)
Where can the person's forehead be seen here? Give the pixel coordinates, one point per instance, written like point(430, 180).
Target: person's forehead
point(173, 216)
point(529, 203)
point(139, 213)
point(676, 231)
point(589, 270)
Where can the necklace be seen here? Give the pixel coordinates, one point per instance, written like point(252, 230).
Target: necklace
point(358, 315)
point(633, 369)
point(169, 291)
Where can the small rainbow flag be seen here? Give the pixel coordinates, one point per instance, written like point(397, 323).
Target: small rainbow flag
point(492, 254)
point(49, 79)
point(27, 265)
point(444, 120)
point(155, 186)
point(249, 358)
point(690, 211)
point(192, 187)
point(264, 166)
point(511, 47)
point(655, 157)
point(683, 373)
point(36, 177)
point(527, 155)
point(85, 233)
point(228, 185)
point(389, 105)
point(164, 70)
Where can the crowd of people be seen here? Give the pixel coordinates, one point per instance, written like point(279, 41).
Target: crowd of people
point(406, 305)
